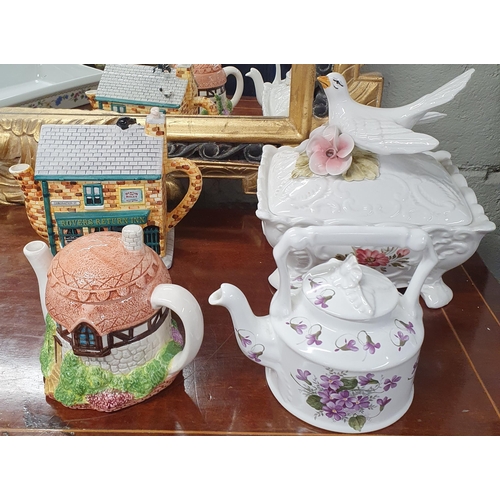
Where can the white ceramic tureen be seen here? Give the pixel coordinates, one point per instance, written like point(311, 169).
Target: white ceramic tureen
point(378, 173)
point(341, 345)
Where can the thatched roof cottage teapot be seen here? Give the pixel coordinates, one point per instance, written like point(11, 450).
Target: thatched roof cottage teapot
point(111, 340)
point(340, 349)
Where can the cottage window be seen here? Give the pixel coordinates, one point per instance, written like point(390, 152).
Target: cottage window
point(86, 339)
point(152, 238)
point(86, 342)
point(92, 195)
point(118, 108)
point(71, 234)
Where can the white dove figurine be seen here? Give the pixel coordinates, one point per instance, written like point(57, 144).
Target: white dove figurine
point(387, 130)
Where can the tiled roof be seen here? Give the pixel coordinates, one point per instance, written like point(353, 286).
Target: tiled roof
point(137, 84)
point(78, 151)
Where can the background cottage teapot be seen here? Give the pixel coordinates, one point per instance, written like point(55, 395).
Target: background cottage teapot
point(341, 344)
point(111, 340)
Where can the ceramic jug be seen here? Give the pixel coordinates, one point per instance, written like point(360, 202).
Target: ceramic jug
point(211, 81)
point(274, 97)
point(340, 345)
point(111, 338)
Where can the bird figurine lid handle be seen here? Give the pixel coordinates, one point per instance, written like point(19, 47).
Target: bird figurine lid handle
point(347, 290)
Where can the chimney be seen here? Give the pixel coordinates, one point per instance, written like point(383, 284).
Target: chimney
point(132, 238)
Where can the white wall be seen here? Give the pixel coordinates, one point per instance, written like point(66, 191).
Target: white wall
point(470, 132)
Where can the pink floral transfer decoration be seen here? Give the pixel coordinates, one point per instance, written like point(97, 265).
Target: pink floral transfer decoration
point(329, 151)
point(381, 259)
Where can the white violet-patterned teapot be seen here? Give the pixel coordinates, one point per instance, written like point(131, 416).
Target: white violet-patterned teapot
point(340, 345)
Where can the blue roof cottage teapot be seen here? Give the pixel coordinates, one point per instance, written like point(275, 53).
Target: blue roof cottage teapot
point(341, 345)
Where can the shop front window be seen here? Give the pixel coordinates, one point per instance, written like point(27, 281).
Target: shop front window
point(92, 195)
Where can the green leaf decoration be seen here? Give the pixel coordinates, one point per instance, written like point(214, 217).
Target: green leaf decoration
point(364, 165)
point(302, 167)
point(47, 353)
point(315, 401)
point(357, 422)
point(348, 384)
point(78, 380)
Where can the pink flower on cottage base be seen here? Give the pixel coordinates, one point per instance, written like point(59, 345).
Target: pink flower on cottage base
point(329, 151)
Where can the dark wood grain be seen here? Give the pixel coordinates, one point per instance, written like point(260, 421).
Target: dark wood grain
point(457, 387)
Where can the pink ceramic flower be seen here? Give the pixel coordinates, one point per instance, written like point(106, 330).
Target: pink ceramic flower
point(329, 151)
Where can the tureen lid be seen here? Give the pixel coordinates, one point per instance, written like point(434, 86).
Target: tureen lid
point(348, 290)
point(411, 189)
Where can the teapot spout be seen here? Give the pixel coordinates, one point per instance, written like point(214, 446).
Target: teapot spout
point(258, 82)
point(253, 333)
point(40, 257)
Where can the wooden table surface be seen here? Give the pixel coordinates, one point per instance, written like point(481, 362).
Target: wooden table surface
point(457, 386)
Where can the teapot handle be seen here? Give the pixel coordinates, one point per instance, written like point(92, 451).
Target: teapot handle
point(195, 178)
point(231, 70)
point(183, 303)
point(312, 237)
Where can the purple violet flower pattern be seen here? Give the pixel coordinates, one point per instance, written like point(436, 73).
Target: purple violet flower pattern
point(391, 383)
point(314, 284)
point(245, 341)
point(254, 355)
point(302, 375)
point(252, 351)
point(348, 346)
point(313, 338)
point(367, 380)
point(297, 327)
point(383, 402)
point(371, 346)
point(332, 382)
point(321, 301)
point(402, 339)
point(352, 400)
point(334, 411)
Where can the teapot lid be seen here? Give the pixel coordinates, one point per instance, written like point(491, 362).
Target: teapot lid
point(348, 290)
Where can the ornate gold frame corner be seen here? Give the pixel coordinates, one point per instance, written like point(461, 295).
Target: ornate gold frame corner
point(20, 128)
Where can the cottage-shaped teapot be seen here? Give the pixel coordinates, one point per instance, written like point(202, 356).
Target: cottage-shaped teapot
point(211, 80)
point(111, 340)
point(341, 344)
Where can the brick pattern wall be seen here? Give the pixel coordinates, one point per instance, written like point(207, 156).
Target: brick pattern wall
point(33, 201)
point(73, 190)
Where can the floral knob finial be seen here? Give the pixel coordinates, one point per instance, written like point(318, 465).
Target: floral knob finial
point(329, 151)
